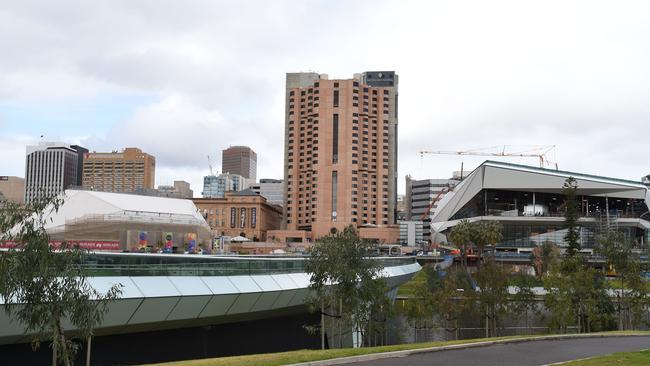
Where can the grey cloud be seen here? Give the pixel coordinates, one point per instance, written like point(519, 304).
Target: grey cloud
point(480, 74)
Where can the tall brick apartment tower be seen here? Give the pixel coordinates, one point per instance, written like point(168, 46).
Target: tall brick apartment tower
point(341, 154)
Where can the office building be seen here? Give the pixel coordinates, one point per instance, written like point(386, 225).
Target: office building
point(271, 189)
point(215, 186)
point(411, 233)
point(12, 189)
point(180, 189)
point(243, 213)
point(529, 203)
point(240, 160)
point(341, 154)
point(125, 171)
point(419, 199)
point(50, 168)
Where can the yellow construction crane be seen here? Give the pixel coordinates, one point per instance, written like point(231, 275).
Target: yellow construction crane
point(535, 151)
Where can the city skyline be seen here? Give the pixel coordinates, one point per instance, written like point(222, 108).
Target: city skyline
point(173, 81)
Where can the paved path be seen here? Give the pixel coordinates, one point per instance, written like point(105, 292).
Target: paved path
point(532, 353)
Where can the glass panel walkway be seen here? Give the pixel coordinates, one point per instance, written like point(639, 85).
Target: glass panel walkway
point(137, 264)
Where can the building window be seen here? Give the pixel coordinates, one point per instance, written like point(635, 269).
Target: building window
point(334, 193)
point(335, 139)
point(242, 218)
point(336, 98)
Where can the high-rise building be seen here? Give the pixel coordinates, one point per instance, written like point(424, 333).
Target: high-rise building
point(341, 153)
point(271, 189)
point(12, 189)
point(51, 167)
point(125, 171)
point(420, 195)
point(240, 160)
point(216, 186)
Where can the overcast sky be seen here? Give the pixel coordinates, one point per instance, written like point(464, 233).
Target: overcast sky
point(186, 79)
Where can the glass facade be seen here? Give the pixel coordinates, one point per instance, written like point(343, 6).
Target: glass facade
point(530, 235)
point(494, 202)
point(216, 186)
point(537, 205)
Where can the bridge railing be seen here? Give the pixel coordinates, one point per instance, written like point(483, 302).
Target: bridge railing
point(184, 265)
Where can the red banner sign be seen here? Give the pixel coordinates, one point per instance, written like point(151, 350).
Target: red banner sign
point(101, 246)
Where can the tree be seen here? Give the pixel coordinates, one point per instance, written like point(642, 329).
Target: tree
point(466, 234)
point(461, 236)
point(632, 292)
point(486, 233)
point(451, 299)
point(419, 309)
point(572, 237)
point(42, 286)
point(524, 300)
point(491, 294)
point(345, 283)
point(577, 294)
point(544, 257)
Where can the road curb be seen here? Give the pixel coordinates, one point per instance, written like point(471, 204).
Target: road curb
point(405, 353)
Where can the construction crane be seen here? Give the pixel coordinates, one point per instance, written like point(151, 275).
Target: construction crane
point(210, 165)
point(536, 151)
point(442, 192)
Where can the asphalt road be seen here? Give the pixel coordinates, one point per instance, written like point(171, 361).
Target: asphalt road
point(520, 354)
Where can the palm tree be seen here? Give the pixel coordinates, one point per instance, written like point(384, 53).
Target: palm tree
point(461, 236)
point(486, 233)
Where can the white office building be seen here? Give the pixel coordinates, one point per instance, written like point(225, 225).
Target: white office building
point(216, 186)
point(411, 233)
point(50, 168)
point(419, 199)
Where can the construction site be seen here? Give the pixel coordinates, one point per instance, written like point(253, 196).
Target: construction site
point(527, 201)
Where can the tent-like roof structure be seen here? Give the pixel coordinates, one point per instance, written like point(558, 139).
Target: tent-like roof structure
point(81, 205)
point(515, 177)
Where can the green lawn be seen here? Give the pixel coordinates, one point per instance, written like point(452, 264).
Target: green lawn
point(622, 359)
point(406, 290)
point(286, 358)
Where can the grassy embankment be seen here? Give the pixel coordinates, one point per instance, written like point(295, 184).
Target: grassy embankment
point(291, 357)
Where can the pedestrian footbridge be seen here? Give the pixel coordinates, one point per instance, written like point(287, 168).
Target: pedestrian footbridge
point(167, 291)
